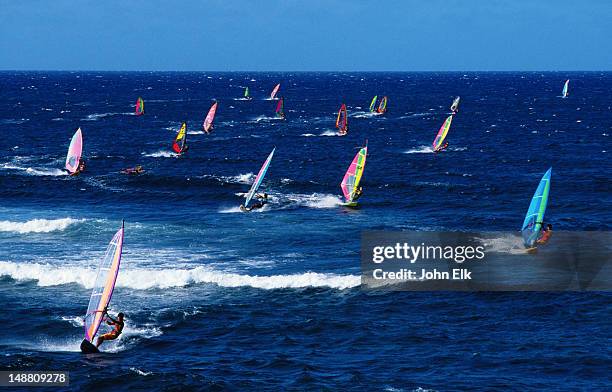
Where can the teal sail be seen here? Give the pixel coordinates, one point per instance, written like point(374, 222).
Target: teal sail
point(259, 178)
point(532, 226)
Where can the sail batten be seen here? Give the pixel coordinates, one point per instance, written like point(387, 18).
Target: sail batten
point(104, 285)
point(259, 178)
point(532, 225)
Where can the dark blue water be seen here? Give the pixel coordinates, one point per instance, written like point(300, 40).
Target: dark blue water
point(217, 299)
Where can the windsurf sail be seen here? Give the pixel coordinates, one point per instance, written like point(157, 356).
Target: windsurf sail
point(75, 151)
point(139, 107)
point(455, 105)
point(352, 177)
point(108, 269)
point(259, 178)
point(373, 103)
point(564, 93)
point(342, 119)
point(274, 91)
point(246, 92)
point(437, 143)
point(279, 108)
point(208, 121)
point(382, 106)
point(535, 214)
point(179, 143)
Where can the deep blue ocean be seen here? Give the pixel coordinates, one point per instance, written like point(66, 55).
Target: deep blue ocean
point(216, 299)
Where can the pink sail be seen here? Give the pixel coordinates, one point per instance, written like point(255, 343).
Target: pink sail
point(74, 152)
point(273, 94)
point(208, 121)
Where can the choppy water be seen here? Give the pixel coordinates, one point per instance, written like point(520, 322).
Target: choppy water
point(217, 299)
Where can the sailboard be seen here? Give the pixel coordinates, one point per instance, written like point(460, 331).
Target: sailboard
point(382, 106)
point(139, 111)
point(532, 225)
point(259, 179)
point(565, 93)
point(75, 151)
point(274, 91)
point(279, 108)
point(437, 144)
point(352, 177)
point(455, 105)
point(342, 120)
point(179, 146)
point(246, 93)
point(108, 270)
point(208, 121)
point(373, 104)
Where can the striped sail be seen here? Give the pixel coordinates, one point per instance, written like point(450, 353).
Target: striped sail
point(373, 103)
point(565, 87)
point(274, 91)
point(259, 178)
point(352, 177)
point(75, 151)
point(437, 143)
point(208, 121)
point(532, 225)
point(104, 285)
point(139, 107)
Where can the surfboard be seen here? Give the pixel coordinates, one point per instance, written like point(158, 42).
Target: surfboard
point(102, 292)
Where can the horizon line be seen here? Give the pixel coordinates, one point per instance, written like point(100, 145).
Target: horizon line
point(302, 71)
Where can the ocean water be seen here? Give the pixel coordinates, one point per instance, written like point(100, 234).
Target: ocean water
point(216, 299)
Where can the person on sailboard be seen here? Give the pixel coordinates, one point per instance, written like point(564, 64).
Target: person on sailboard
point(117, 328)
point(546, 234)
point(442, 148)
point(254, 206)
point(80, 167)
point(210, 129)
point(263, 196)
point(133, 170)
point(357, 194)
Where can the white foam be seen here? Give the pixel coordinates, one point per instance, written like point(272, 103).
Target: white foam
point(96, 116)
point(143, 279)
point(196, 132)
point(35, 171)
point(420, 150)
point(316, 200)
point(38, 225)
point(161, 154)
point(329, 133)
point(512, 244)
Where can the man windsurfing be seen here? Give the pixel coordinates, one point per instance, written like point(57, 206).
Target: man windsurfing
point(117, 325)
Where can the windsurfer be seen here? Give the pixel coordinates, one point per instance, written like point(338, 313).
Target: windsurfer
point(210, 129)
point(357, 194)
point(262, 196)
point(133, 170)
point(546, 234)
point(116, 331)
point(442, 148)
